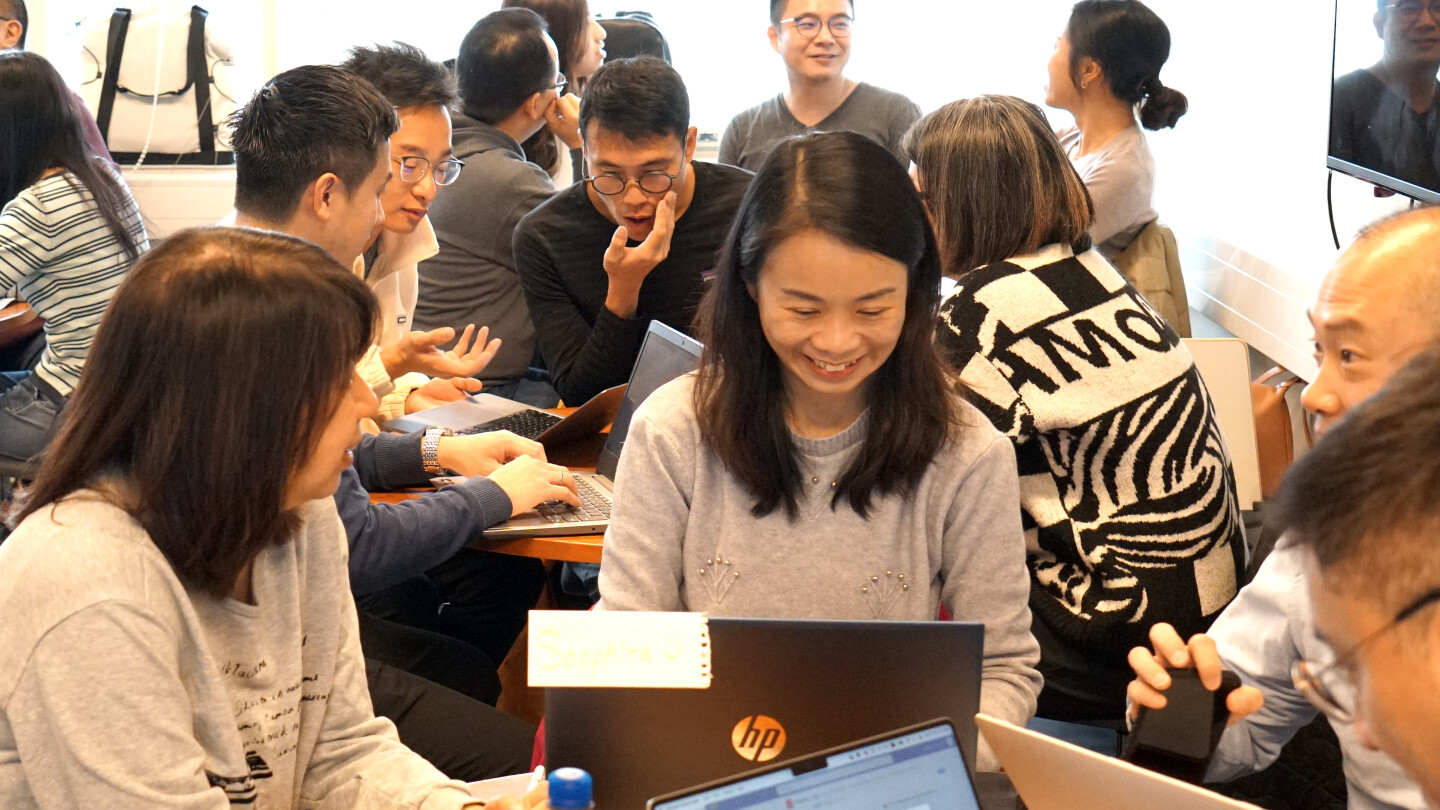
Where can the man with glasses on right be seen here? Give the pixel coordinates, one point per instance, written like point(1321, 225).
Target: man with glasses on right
point(1386, 117)
point(634, 241)
point(1375, 311)
point(813, 37)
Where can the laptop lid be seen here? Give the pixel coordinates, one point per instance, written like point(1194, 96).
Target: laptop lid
point(664, 355)
point(919, 766)
point(1050, 774)
point(781, 688)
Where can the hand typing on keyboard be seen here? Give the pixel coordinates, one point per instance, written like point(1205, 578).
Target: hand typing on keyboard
point(530, 482)
point(484, 453)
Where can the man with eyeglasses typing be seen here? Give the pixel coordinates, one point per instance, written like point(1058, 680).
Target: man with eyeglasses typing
point(508, 79)
point(1373, 314)
point(1386, 116)
point(813, 37)
point(632, 243)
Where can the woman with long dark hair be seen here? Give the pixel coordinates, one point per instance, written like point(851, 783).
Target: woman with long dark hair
point(1126, 488)
point(822, 463)
point(1106, 72)
point(69, 232)
point(581, 43)
point(179, 629)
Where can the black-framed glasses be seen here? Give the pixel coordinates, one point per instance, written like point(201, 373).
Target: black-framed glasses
point(656, 182)
point(1323, 685)
point(809, 25)
point(1409, 10)
point(414, 167)
point(560, 82)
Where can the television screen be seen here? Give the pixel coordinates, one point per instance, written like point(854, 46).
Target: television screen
point(1385, 98)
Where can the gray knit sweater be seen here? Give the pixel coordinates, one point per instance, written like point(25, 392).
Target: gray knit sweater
point(682, 537)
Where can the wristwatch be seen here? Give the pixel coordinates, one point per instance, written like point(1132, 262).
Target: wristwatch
point(430, 449)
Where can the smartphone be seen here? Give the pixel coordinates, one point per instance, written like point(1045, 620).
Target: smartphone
point(1180, 739)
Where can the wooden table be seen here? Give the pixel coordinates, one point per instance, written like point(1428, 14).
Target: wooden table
point(17, 322)
point(584, 548)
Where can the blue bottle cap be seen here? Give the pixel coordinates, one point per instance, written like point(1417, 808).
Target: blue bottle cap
point(571, 789)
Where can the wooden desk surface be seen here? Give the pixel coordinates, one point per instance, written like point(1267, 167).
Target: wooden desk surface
point(585, 548)
point(18, 321)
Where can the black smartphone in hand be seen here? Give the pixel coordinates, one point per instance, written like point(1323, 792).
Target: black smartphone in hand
point(1180, 739)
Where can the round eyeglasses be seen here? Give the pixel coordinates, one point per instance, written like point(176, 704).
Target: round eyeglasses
point(649, 182)
point(414, 167)
point(1409, 10)
point(809, 25)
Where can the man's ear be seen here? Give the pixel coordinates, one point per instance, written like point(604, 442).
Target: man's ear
point(690, 139)
point(10, 33)
point(774, 34)
point(1380, 24)
point(535, 106)
point(322, 195)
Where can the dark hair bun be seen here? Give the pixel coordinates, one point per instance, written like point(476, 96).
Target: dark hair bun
point(1162, 107)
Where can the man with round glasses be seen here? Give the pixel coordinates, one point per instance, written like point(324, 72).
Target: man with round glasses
point(1375, 311)
point(632, 243)
point(813, 37)
point(1386, 116)
point(508, 77)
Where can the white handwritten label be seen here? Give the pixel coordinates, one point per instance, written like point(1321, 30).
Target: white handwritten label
point(623, 649)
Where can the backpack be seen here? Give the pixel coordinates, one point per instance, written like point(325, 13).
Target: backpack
point(154, 90)
point(633, 33)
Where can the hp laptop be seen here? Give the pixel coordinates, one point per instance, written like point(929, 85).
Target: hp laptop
point(780, 687)
point(664, 355)
point(919, 766)
point(1053, 775)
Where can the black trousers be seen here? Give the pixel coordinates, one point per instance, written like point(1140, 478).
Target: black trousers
point(466, 739)
point(479, 597)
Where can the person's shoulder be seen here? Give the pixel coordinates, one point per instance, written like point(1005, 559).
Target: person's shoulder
point(559, 213)
point(670, 409)
point(973, 437)
point(877, 96)
point(770, 109)
point(722, 185)
point(1358, 81)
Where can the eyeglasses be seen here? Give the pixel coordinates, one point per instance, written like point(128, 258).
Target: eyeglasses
point(561, 81)
point(414, 167)
point(1409, 10)
point(656, 182)
point(809, 25)
point(1321, 685)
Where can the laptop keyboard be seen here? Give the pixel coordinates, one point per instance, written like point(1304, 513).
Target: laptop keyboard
point(527, 423)
point(593, 506)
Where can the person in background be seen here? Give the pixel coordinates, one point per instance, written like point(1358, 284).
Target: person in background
point(1386, 117)
point(509, 82)
point(1105, 68)
point(312, 159)
point(635, 241)
point(1127, 493)
point(14, 25)
point(813, 37)
point(69, 232)
point(182, 585)
point(1371, 568)
point(1374, 313)
point(822, 426)
point(581, 41)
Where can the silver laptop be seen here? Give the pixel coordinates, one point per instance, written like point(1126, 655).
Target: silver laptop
point(664, 355)
point(919, 766)
point(482, 413)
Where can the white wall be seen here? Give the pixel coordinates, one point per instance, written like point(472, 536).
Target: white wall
point(1241, 179)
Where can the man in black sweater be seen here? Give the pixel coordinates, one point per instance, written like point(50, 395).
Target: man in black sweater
point(633, 243)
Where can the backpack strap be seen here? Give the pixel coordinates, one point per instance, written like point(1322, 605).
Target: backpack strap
point(114, 52)
point(200, 80)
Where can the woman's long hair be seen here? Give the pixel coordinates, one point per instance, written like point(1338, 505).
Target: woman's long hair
point(40, 130)
point(996, 182)
point(210, 380)
point(850, 188)
point(568, 23)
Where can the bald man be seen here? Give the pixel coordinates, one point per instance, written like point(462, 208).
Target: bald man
point(1375, 311)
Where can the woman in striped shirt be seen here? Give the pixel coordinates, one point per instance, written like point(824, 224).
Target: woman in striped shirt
point(69, 232)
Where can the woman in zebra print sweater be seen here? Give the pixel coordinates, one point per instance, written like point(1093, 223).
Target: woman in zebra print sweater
point(1127, 494)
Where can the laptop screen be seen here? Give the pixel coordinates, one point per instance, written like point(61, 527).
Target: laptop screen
point(665, 355)
point(916, 769)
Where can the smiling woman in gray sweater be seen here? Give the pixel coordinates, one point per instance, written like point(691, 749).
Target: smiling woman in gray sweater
point(821, 464)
